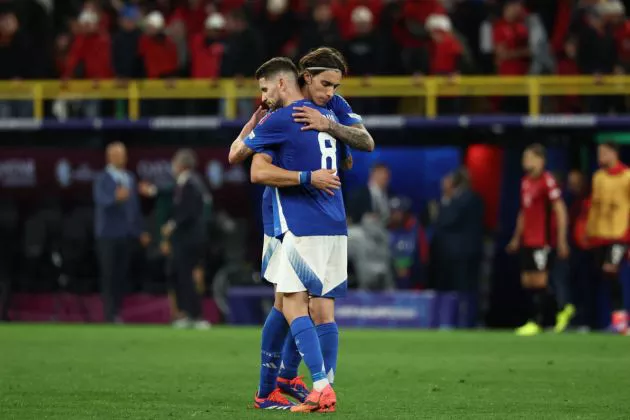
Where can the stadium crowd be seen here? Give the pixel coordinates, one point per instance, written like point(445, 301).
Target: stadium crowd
point(210, 39)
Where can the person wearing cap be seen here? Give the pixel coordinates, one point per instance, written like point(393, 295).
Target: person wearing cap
point(365, 53)
point(446, 56)
point(125, 44)
point(91, 52)
point(207, 48)
point(158, 52)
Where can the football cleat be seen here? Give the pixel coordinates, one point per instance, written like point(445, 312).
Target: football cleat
point(563, 318)
point(324, 401)
point(620, 322)
point(273, 401)
point(529, 329)
point(294, 388)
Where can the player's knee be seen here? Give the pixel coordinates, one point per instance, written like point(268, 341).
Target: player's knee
point(322, 311)
point(539, 280)
point(277, 302)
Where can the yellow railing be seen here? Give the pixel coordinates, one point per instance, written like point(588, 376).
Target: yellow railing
point(427, 88)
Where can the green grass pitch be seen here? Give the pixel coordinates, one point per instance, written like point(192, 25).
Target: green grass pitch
point(129, 372)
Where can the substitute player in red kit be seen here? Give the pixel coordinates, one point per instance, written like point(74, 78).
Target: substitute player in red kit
point(540, 234)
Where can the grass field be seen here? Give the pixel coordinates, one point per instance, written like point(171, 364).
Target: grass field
point(127, 372)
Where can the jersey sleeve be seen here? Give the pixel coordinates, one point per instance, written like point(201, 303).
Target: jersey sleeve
point(270, 152)
point(344, 151)
point(268, 134)
point(343, 111)
point(553, 191)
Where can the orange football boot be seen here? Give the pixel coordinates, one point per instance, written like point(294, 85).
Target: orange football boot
point(324, 401)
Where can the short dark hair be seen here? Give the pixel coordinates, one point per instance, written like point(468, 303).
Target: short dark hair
point(274, 66)
point(611, 145)
point(538, 150)
point(325, 57)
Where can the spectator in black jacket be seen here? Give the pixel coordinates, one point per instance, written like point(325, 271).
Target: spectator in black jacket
point(14, 63)
point(373, 198)
point(458, 243)
point(597, 56)
point(241, 55)
point(365, 55)
point(322, 29)
point(186, 230)
point(126, 62)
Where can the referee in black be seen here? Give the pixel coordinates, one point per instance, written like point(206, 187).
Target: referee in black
point(187, 232)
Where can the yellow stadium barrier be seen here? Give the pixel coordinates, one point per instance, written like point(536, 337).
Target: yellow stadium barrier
point(427, 88)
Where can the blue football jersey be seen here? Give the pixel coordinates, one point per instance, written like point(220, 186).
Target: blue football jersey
point(343, 111)
point(303, 210)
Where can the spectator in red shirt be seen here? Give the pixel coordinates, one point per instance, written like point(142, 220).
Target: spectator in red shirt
point(446, 53)
point(158, 52)
point(344, 9)
point(541, 228)
point(207, 49)
point(206, 57)
point(445, 50)
point(510, 38)
point(159, 56)
point(91, 49)
point(89, 58)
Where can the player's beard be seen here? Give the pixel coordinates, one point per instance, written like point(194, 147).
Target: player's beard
point(272, 105)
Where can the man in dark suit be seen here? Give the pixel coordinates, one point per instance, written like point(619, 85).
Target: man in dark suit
point(372, 198)
point(458, 243)
point(187, 232)
point(117, 219)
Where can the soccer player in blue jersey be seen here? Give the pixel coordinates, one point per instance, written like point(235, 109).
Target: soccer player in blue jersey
point(321, 72)
point(329, 209)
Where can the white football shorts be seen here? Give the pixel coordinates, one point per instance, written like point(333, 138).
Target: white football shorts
point(316, 264)
point(270, 257)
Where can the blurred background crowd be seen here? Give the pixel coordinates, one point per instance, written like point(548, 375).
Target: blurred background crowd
point(168, 39)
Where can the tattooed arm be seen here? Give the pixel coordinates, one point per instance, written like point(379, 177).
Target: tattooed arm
point(239, 151)
point(356, 136)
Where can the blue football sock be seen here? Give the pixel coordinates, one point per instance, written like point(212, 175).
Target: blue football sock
point(273, 334)
point(307, 343)
point(290, 359)
point(329, 340)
